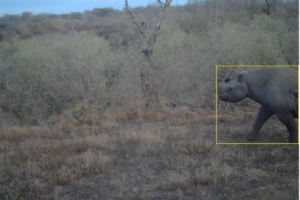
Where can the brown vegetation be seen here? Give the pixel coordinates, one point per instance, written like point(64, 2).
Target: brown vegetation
point(141, 157)
point(74, 121)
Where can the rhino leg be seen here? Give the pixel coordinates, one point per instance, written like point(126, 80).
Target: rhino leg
point(288, 120)
point(263, 115)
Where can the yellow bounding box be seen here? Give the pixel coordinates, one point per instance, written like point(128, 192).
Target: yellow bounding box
point(257, 104)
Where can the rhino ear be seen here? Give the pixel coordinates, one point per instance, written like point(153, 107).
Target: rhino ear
point(241, 76)
point(293, 92)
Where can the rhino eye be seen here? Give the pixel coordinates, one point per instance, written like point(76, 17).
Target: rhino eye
point(226, 80)
point(230, 89)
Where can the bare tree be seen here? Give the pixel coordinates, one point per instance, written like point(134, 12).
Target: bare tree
point(149, 92)
point(268, 7)
point(2, 26)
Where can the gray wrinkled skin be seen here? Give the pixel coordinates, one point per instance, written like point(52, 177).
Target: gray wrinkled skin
point(294, 95)
point(274, 88)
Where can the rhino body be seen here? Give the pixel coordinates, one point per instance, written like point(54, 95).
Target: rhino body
point(274, 88)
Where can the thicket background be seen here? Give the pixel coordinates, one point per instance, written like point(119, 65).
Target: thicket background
point(51, 65)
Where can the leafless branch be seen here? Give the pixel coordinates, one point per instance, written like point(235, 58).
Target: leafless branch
point(161, 3)
point(151, 39)
point(268, 7)
point(285, 56)
point(135, 21)
point(161, 17)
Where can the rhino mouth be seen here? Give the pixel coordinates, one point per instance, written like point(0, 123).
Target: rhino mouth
point(223, 98)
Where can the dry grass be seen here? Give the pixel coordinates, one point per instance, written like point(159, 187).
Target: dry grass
point(197, 146)
point(22, 133)
point(181, 115)
point(215, 174)
point(139, 154)
point(177, 181)
point(237, 131)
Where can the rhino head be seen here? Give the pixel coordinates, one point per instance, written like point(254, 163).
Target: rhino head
point(233, 90)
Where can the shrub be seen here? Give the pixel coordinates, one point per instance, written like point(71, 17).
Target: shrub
point(186, 63)
point(47, 75)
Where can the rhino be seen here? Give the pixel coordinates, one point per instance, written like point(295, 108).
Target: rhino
point(274, 88)
point(293, 93)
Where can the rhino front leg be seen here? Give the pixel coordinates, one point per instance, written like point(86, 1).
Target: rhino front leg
point(263, 115)
point(288, 120)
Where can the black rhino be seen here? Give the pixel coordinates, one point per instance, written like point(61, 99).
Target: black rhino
point(274, 88)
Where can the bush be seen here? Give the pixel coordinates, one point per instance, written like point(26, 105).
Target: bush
point(46, 76)
point(186, 63)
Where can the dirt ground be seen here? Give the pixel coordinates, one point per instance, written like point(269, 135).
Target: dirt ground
point(166, 156)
